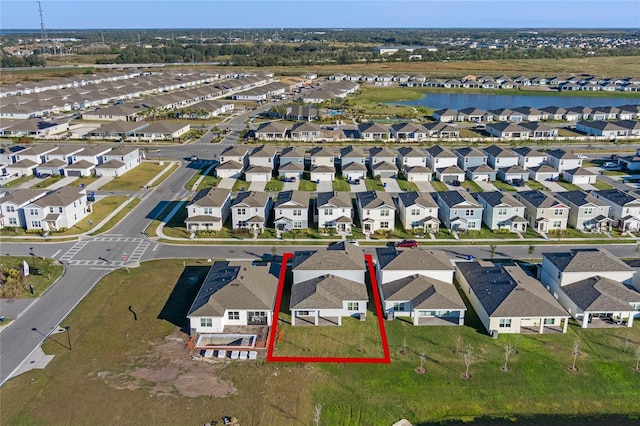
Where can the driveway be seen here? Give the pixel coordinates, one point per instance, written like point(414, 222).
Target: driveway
point(554, 186)
point(96, 184)
point(291, 186)
point(257, 186)
point(325, 186)
point(28, 184)
point(227, 183)
point(425, 187)
point(391, 185)
point(587, 187)
point(361, 187)
point(486, 186)
point(62, 182)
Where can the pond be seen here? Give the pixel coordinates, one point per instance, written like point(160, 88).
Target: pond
point(459, 101)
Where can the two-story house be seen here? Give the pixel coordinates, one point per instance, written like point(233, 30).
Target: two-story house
point(291, 210)
point(232, 162)
point(586, 212)
point(118, 161)
point(59, 209)
point(411, 157)
point(250, 210)
point(382, 162)
point(419, 284)
point(352, 154)
point(624, 208)
point(12, 214)
point(592, 285)
point(376, 210)
point(498, 157)
point(209, 210)
point(418, 212)
point(28, 159)
point(544, 212)
point(459, 211)
point(529, 157)
point(335, 210)
point(562, 160)
point(440, 158)
point(502, 211)
point(291, 161)
point(322, 168)
point(469, 157)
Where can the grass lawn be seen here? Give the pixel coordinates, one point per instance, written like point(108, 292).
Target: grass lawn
point(373, 184)
point(500, 185)
point(536, 185)
point(148, 377)
point(45, 183)
point(118, 217)
point(85, 180)
point(439, 186)
point(615, 173)
point(602, 185)
point(166, 174)
point(18, 181)
point(569, 186)
point(471, 185)
point(370, 95)
point(340, 184)
point(43, 273)
point(175, 227)
point(307, 185)
point(134, 179)
point(239, 184)
point(274, 185)
point(406, 185)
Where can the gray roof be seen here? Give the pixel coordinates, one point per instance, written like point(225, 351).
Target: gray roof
point(292, 152)
point(374, 199)
point(513, 170)
point(337, 256)
point(111, 164)
point(617, 197)
point(470, 152)
point(263, 151)
point(234, 151)
point(37, 150)
point(528, 152)
point(336, 199)
point(122, 150)
point(496, 198)
point(235, 285)
point(454, 198)
point(586, 260)
point(210, 197)
point(326, 292)
point(507, 291)
point(94, 150)
point(251, 199)
point(417, 169)
point(599, 294)
point(323, 169)
point(561, 154)
point(257, 169)
point(60, 197)
point(354, 167)
point(295, 198)
point(53, 163)
point(81, 164)
point(451, 170)
point(381, 152)
point(321, 151)
point(21, 196)
point(373, 127)
point(230, 165)
point(389, 259)
point(411, 152)
point(291, 167)
point(483, 168)
point(423, 293)
point(384, 165)
point(579, 171)
point(544, 169)
point(498, 152)
point(352, 152)
point(413, 198)
point(538, 199)
point(437, 151)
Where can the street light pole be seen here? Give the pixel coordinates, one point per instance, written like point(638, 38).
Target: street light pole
point(68, 335)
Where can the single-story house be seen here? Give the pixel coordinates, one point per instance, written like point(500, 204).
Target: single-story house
point(579, 176)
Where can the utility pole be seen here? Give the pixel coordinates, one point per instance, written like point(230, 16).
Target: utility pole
point(43, 31)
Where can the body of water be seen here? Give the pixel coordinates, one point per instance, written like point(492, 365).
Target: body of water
point(459, 101)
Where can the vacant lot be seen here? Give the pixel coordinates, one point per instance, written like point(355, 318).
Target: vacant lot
point(136, 178)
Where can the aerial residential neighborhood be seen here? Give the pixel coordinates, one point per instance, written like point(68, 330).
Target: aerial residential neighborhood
point(216, 222)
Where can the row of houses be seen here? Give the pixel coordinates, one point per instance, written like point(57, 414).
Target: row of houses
point(328, 285)
point(590, 83)
point(527, 113)
point(69, 160)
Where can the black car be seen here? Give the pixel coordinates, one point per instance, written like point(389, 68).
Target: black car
point(456, 183)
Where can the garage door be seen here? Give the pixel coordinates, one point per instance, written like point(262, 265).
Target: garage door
point(74, 173)
point(259, 178)
point(480, 178)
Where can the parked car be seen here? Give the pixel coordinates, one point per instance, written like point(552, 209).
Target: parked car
point(407, 244)
point(581, 156)
point(456, 183)
point(609, 165)
point(517, 182)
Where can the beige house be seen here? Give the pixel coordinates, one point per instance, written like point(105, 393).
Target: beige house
point(544, 212)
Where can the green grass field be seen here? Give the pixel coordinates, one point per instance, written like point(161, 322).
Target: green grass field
point(439, 186)
point(142, 368)
point(602, 185)
point(45, 183)
point(471, 186)
point(340, 184)
point(43, 273)
point(135, 178)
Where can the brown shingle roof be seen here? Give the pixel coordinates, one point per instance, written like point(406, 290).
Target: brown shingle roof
point(326, 292)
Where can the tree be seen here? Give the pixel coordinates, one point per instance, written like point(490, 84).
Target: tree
point(46, 267)
point(459, 343)
point(492, 250)
point(405, 349)
point(421, 369)
point(317, 413)
point(638, 358)
point(508, 351)
point(575, 352)
point(532, 249)
point(469, 358)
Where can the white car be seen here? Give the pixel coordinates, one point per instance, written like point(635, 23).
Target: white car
point(609, 165)
point(581, 156)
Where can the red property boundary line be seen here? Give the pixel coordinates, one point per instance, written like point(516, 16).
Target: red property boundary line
point(385, 359)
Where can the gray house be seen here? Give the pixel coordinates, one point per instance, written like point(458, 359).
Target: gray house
point(459, 211)
point(498, 157)
point(502, 211)
point(470, 157)
point(291, 210)
point(418, 211)
point(587, 213)
point(528, 157)
point(562, 160)
point(439, 158)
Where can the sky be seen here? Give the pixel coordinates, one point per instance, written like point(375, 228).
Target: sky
point(114, 14)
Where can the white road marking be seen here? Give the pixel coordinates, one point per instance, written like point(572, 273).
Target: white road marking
point(156, 247)
point(103, 269)
point(56, 253)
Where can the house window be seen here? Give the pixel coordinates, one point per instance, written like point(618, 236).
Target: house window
point(206, 322)
point(384, 213)
point(328, 212)
point(468, 212)
point(297, 224)
point(415, 212)
point(557, 212)
point(505, 322)
point(384, 225)
point(398, 306)
point(502, 212)
point(36, 224)
point(588, 210)
point(13, 221)
point(11, 208)
point(233, 315)
point(297, 212)
point(50, 209)
point(353, 306)
point(556, 224)
point(549, 321)
point(60, 209)
point(471, 225)
point(208, 210)
point(242, 211)
point(303, 313)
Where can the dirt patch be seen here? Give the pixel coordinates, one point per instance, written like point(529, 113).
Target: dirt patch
point(169, 368)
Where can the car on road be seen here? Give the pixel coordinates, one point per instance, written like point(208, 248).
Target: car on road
point(581, 156)
point(194, 158)
point(407, 244)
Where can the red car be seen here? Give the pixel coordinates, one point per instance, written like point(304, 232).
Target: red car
point(407, 244)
